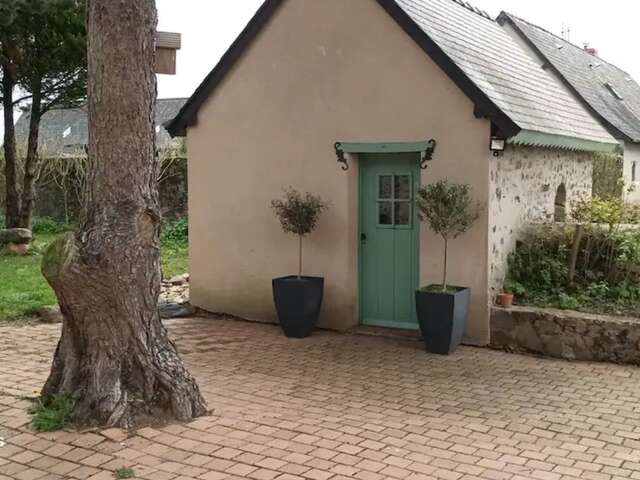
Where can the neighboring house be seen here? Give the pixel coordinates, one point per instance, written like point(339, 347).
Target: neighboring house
point(64, 132)
point(610, 93)
point(382, 78)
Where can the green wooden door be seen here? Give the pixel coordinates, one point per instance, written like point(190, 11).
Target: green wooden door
point(389, 239)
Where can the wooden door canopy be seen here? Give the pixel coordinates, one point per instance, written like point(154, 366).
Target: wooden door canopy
point(167, 43)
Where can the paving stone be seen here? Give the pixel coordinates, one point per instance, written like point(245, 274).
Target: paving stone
point(336, 406)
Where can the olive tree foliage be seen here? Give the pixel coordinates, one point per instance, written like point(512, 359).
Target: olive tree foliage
point(43, 56)
point(449, 211)
point(299, 214)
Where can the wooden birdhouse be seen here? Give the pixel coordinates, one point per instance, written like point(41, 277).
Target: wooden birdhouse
point(167, 44)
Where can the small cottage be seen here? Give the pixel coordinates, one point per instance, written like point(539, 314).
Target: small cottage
point(361, 102)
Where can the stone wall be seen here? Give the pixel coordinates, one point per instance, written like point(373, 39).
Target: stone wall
point(565, 334)
point(523, 190)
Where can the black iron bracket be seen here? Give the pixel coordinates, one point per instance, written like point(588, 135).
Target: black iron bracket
point(427, 155)
point(341, 157)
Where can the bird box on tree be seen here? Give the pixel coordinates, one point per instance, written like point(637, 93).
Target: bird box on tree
point(167, 44)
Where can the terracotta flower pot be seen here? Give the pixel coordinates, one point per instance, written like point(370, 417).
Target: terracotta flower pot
point(505, 300)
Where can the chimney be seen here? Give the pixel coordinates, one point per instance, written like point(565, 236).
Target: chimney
point(590, 50)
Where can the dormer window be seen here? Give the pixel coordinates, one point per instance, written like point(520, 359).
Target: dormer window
point(66, 132)
point(613, 91)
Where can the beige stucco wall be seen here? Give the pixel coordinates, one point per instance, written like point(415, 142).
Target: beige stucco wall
point(524, 184)
point(321, 72)
point(632, 154)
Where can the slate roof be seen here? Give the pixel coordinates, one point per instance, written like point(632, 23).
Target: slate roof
point(503, 78)
point(64, 131)
point(588, 76)
point(510, 75)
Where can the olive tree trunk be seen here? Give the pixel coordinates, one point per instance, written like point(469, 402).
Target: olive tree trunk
point(114, 355)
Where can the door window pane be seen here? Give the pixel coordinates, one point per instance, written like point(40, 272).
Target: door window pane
point(402, 187)
point(385, 186)
point(385, 213)
point(402, 213)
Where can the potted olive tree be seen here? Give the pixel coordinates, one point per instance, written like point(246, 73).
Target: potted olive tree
point(443, 309)
point(298, 298)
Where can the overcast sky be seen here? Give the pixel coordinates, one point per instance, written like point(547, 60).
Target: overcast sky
point(209, 26)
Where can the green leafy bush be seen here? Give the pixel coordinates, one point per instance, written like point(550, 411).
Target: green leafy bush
point(47, 225)
point(608, 180)
point(607, 275)
point(175, 231)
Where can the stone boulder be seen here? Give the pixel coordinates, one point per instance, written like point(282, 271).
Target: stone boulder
point(17, 236)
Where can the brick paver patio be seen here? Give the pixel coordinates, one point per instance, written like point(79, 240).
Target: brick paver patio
point(342, 406)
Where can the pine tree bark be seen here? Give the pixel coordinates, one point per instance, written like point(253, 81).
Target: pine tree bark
point(114, 355)
point(12, 192)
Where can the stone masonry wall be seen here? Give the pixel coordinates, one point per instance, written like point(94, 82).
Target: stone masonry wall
point(524, 184)
point(565, 334)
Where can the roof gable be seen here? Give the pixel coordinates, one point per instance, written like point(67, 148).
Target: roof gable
point(502, 80)
point(611, 93)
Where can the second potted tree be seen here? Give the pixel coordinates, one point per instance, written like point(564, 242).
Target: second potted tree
point(298, 298)
point(443, 309)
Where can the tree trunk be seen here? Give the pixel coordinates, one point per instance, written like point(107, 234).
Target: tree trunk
point(299, 256)
point(31, 163)
point(12, 192)
point(575, 251)
point(446, 261)
point(114, 355)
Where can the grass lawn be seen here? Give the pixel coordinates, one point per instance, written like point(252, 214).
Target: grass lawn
point(24, 290)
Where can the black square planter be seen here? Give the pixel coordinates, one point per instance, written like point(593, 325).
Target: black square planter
point(298, 301)
point(443, 318)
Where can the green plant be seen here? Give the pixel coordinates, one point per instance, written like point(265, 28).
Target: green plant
point(608, 180)
point(124, 472)
point(176, 231)
point(48, 225)
point(52, 413)
point(449, 211)
point(299, 214)
point(568, 302)
point(607, 277)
